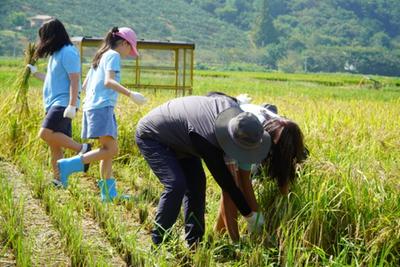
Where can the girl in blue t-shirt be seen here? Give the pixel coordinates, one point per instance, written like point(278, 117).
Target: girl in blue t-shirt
point(60, 91)
point(102, 86)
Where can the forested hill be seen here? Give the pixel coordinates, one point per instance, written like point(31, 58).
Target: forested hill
point(151, 19)
point(318, 35)
point(290, 35)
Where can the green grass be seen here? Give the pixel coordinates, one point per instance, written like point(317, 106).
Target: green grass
point(331, 79)
point(66, 214)
point(344, 209)
point(9, 68)
point(11, 222)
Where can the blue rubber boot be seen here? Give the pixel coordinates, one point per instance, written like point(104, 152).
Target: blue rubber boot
point(108, 190)
point(68, 166)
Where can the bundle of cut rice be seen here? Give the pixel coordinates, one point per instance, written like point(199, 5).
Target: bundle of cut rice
point(21, 84)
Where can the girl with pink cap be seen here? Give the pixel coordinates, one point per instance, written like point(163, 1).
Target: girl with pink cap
point(102, 86)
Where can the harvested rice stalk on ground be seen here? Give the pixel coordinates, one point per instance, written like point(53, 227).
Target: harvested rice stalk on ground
point(21, 84)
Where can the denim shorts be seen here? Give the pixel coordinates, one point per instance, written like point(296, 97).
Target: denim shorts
point(99, 122)
point(56, 122)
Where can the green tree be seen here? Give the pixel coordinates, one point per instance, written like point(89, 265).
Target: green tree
point(17, 18)
point(381, 39)
point(272, 53)
point(228, 12)
point(264, 32)
point(291, 63)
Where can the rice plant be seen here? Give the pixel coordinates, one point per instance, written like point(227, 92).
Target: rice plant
point(343, 210)
point(21, 84)
point(12, 227)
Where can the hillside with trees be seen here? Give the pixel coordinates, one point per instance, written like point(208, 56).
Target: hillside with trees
point(288, 35)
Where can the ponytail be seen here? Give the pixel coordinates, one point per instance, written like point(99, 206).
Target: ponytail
point(110, 42)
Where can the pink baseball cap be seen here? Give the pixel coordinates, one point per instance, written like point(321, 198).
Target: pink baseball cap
point(129, 35)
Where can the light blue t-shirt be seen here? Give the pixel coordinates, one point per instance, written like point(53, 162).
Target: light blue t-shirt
point(240, 165)
point(244, 166)
point(56, 84)
point(97, 95)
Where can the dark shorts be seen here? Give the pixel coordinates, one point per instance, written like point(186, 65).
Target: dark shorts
point(56, 122)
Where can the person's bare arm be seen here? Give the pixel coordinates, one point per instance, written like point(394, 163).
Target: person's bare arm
point(85, 83)
point(35, 73)
point(73, 88)
point(227, 214)
point(246, 187)
point(110, 82)
point(39, 75)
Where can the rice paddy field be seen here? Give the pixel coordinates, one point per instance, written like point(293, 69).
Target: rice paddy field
point(343, 210)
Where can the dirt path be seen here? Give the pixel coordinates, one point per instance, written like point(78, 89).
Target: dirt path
point(128, 217)
point(93, 232)
point(48, 247)
point(94, 235)
point(7, 258)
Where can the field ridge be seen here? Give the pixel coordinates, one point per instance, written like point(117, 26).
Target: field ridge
point(48, 246)
point(7, 258)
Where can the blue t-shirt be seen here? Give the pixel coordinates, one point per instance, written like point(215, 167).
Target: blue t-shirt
point(56, 84)
point(240, 165)
point(244, 166)
point(97, 95)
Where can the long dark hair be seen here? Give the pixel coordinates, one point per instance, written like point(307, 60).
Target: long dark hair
point(287, 152)
point(52, 37)
point(110, 42)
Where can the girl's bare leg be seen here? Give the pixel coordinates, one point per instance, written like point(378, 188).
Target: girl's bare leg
point(57, 139)
point(56, 154)
point(105, 154)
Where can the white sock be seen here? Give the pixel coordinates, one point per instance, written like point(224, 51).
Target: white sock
point(84, 148)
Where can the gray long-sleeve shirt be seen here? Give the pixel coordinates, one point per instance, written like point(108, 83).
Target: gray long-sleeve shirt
point(172, 122)
point(187, 125)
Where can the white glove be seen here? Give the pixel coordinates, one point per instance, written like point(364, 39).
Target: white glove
point(32, 68)
point(255, 222)
point(70, 112)
point(244, 99)
point(138, 98)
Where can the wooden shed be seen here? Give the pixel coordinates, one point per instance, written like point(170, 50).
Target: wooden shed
point(161, 64)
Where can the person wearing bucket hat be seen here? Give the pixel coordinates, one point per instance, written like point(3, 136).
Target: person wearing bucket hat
point(174, 137)
point(102, 86)
point(286, 153)
point(241, 135)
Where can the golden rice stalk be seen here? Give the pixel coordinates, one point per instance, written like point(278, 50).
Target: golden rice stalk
point(21, 84)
